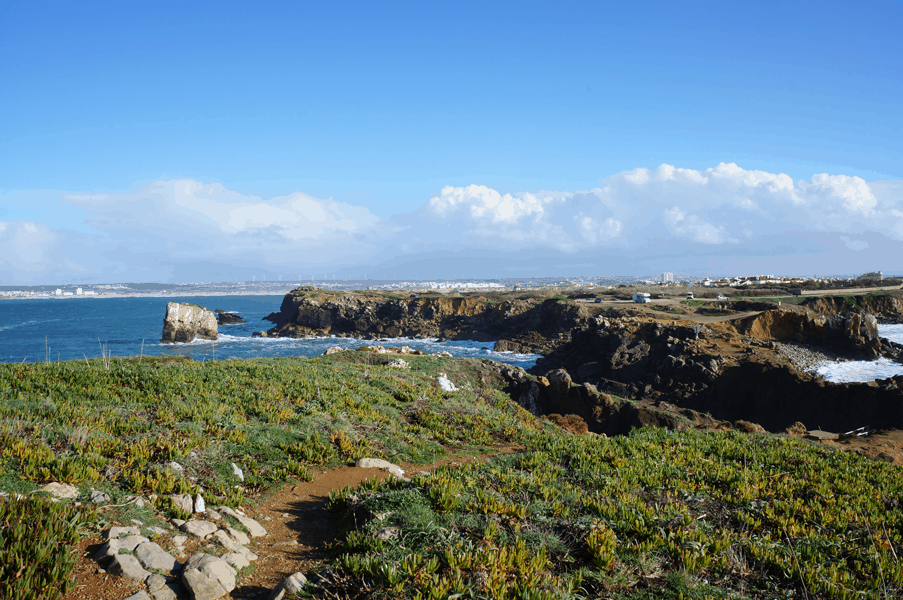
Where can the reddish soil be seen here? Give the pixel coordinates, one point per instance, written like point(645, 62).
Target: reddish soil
point(887, 445)
point(298, 529)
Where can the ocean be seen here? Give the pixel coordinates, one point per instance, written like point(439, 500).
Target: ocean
point(35, 330)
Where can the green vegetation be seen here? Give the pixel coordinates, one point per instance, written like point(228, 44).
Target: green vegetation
point(36, 557)
point(657, 514)
point(668, 309)
point(83, 424)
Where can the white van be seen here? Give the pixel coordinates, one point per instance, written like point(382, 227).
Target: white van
point(689, 295)
point(642, 297)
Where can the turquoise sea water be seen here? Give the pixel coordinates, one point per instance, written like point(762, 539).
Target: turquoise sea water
point(74, 328)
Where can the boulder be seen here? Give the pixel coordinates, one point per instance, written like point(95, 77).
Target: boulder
point(127, 566)
point(378, 463)
point(185, 322)
point(201, 586)
point(227, 318)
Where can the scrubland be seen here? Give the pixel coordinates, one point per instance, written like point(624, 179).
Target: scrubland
point(656, 514)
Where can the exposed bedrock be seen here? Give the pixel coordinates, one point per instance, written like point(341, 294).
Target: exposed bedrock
point(185, 322)
point(731, 374)
point(227, 318)
point(519, 325)
point(852, 333)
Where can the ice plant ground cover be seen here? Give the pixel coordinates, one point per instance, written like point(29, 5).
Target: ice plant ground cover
point(655, 514)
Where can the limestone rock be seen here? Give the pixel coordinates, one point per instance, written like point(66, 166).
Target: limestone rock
point(253, 527)
point(239, 536)
point(238, 472)
point(199, 505)
point(127, 566)
point(155, 582)
point(185, 322)
point(98, 497)
point(152, 556)
point(170, 591)
point(199, 529)
point(60, 490)
point(142, 595)
point(116, 532)
point(201, 586)
point(183, 502)
point(292, 584)
point(237, 560)
point(378, 463)
point(113, 546)
point(215, 568)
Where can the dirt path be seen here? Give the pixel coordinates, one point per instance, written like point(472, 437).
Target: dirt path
point(298, 529)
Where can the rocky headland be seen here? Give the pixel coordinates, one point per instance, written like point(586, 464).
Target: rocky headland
point(185, 322)
point(518, 324)
point(618, 367)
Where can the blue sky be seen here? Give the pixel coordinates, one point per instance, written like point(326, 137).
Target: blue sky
point(380, 106)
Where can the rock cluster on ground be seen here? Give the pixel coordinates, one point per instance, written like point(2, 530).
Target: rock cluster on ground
point(185, 322)
point(203, 576)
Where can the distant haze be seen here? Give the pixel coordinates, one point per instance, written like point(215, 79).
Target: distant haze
point(721, 220)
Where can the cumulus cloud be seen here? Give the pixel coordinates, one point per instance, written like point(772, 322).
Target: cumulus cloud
point(721, 211)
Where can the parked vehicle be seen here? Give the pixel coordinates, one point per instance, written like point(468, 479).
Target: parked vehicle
point(721, 297)
point(642, 297)
point(689, 295)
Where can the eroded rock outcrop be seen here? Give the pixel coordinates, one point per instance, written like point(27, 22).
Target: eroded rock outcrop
point(518, 324)
point(228, 318)
point(854, 334)
point(184, 322)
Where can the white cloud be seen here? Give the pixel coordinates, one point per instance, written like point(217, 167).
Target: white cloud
point(657, 210)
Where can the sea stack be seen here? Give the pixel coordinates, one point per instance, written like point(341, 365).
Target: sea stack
point(185, 322)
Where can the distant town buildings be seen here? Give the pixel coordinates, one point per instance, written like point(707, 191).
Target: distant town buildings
point(667, 277)
point(873, 276)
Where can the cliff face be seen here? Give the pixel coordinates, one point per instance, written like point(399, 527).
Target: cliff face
point(522, 325)
point(887, 308)
point(853, 334)
point(185, 322)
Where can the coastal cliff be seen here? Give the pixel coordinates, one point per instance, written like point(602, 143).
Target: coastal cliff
point(732, 370)
point(521, 325)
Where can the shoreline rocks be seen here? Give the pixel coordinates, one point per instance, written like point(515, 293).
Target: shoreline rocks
point(186, 322)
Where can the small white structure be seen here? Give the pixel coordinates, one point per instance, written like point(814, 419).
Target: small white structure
point(58, 292)
point(667, 277)
point(642, 297)
point(78, 291)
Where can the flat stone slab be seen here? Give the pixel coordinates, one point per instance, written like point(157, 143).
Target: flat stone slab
point(112, 547)
point(822, 435)
point(237, 560)
point(116, 532)
point(253, 527)
point(378, 463)
point(152, 556)
point(199, 529)
point(142, 595)
point(127, 566)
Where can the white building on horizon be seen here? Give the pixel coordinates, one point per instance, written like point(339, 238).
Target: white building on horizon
point(667, 277)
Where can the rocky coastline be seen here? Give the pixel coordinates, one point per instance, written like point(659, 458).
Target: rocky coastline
point(595, 357)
